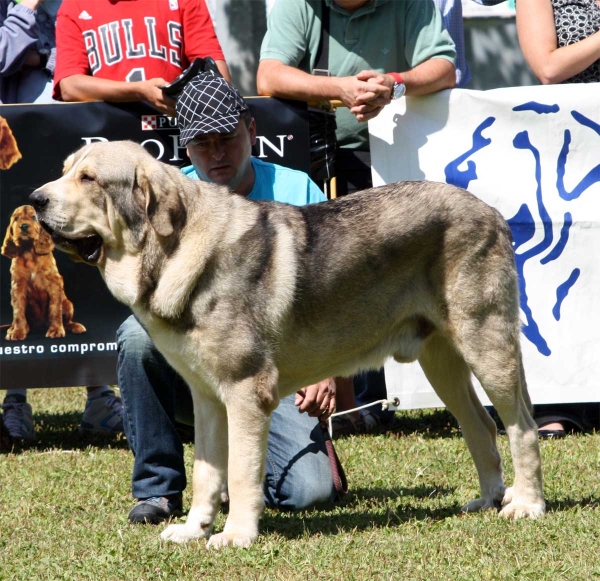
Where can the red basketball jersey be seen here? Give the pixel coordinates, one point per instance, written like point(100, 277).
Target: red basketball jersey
point(132, 40)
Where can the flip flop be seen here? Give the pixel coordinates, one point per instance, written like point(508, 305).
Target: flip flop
point(551, 434)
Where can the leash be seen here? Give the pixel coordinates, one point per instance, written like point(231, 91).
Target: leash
point(337, 470)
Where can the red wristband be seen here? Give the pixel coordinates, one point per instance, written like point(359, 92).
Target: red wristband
point(397, 77)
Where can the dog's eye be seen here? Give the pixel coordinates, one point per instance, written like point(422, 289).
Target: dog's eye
point(86, 178)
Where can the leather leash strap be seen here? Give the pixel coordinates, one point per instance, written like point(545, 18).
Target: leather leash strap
point(337, 471)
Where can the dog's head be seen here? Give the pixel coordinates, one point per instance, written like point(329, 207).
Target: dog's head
point(108, 196)
point(24, 233)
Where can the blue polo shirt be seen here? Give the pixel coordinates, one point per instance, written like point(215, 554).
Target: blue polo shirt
point(278, 184)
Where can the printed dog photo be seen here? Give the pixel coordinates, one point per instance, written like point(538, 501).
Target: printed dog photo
point(37, 288)
point(9, 151)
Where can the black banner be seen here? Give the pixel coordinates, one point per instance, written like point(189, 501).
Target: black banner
point(45, 135)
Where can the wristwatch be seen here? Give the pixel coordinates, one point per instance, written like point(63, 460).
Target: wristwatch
point(399, 87)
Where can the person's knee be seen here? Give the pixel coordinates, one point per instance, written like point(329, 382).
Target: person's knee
point(133, 341)
point(309, 484)
point(315, 492)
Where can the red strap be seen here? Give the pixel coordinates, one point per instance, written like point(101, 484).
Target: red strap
point(339, 476)
point(397, 77)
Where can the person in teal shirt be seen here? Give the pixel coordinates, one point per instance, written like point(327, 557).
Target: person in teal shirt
point(218, 131)
point(277, 183)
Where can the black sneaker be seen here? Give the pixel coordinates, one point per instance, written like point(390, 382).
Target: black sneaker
point(156, 510)
point(6, 440)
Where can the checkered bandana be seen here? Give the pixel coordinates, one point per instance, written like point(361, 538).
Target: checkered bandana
point(208, 104)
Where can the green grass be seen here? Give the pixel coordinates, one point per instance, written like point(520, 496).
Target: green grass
point(64, 505)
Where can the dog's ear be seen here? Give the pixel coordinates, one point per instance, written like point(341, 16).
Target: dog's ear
point(158, 193)
point(68, 163)
point(43, 243)
point(9, 248)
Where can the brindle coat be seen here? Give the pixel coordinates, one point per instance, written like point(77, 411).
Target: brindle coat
point(249, 301)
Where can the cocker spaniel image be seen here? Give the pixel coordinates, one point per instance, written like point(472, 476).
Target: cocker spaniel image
point(37, 289)
point(9, 152)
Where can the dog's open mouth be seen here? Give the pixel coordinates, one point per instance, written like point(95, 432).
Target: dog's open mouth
point(88, 248)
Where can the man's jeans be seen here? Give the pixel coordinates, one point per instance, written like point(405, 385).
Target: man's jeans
point(298, 472)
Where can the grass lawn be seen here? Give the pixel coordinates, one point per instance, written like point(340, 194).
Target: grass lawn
point(64, 503)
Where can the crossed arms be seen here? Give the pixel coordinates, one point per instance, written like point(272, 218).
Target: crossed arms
point(364, 94)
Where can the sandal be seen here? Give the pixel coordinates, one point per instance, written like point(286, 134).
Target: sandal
point(551, 434)
point(545, 419)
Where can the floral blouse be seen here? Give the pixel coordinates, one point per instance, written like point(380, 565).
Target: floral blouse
point(576, 20)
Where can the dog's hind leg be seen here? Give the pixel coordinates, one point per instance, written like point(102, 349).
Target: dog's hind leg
point(249, 406)
point(67, 314)
point(450, 376)
point(483, 313)
point(209, 475)
point(500, 372)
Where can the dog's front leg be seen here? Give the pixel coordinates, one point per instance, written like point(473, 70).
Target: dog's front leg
point(19, 328)
point(210, 465)
point(249, 415)
point(55, 311)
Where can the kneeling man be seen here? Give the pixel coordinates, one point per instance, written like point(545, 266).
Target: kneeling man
point(219, 132)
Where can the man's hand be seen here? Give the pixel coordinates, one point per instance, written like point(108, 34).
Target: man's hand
point(317, 400)
point(365, 112)
point(376, 97)
point(154, 95)
point(375, 91)
point(362, 89)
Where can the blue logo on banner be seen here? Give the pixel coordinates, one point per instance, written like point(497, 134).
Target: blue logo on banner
point(522, 224)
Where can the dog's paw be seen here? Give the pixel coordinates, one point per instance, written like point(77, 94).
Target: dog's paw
point(516, 509)
point(55, 331)
point(183, 533)
point(77, 328)
point(17, 333)
point(508, 496)
point(479, 504)
point(222, 540)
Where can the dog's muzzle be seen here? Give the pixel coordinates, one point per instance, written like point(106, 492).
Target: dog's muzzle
point(87, 248)
point(38, 200)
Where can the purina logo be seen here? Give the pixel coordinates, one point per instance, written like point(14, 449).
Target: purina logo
point(156, 122)
point(262, 142)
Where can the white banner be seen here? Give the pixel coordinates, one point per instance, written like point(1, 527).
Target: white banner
point(534, 154)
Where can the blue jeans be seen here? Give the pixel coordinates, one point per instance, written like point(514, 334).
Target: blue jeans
point(298, 473)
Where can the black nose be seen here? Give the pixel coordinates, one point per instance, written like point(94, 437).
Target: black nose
point(38, 199)
point(24, 227)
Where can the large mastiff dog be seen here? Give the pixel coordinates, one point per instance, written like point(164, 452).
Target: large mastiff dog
point(250, 301)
